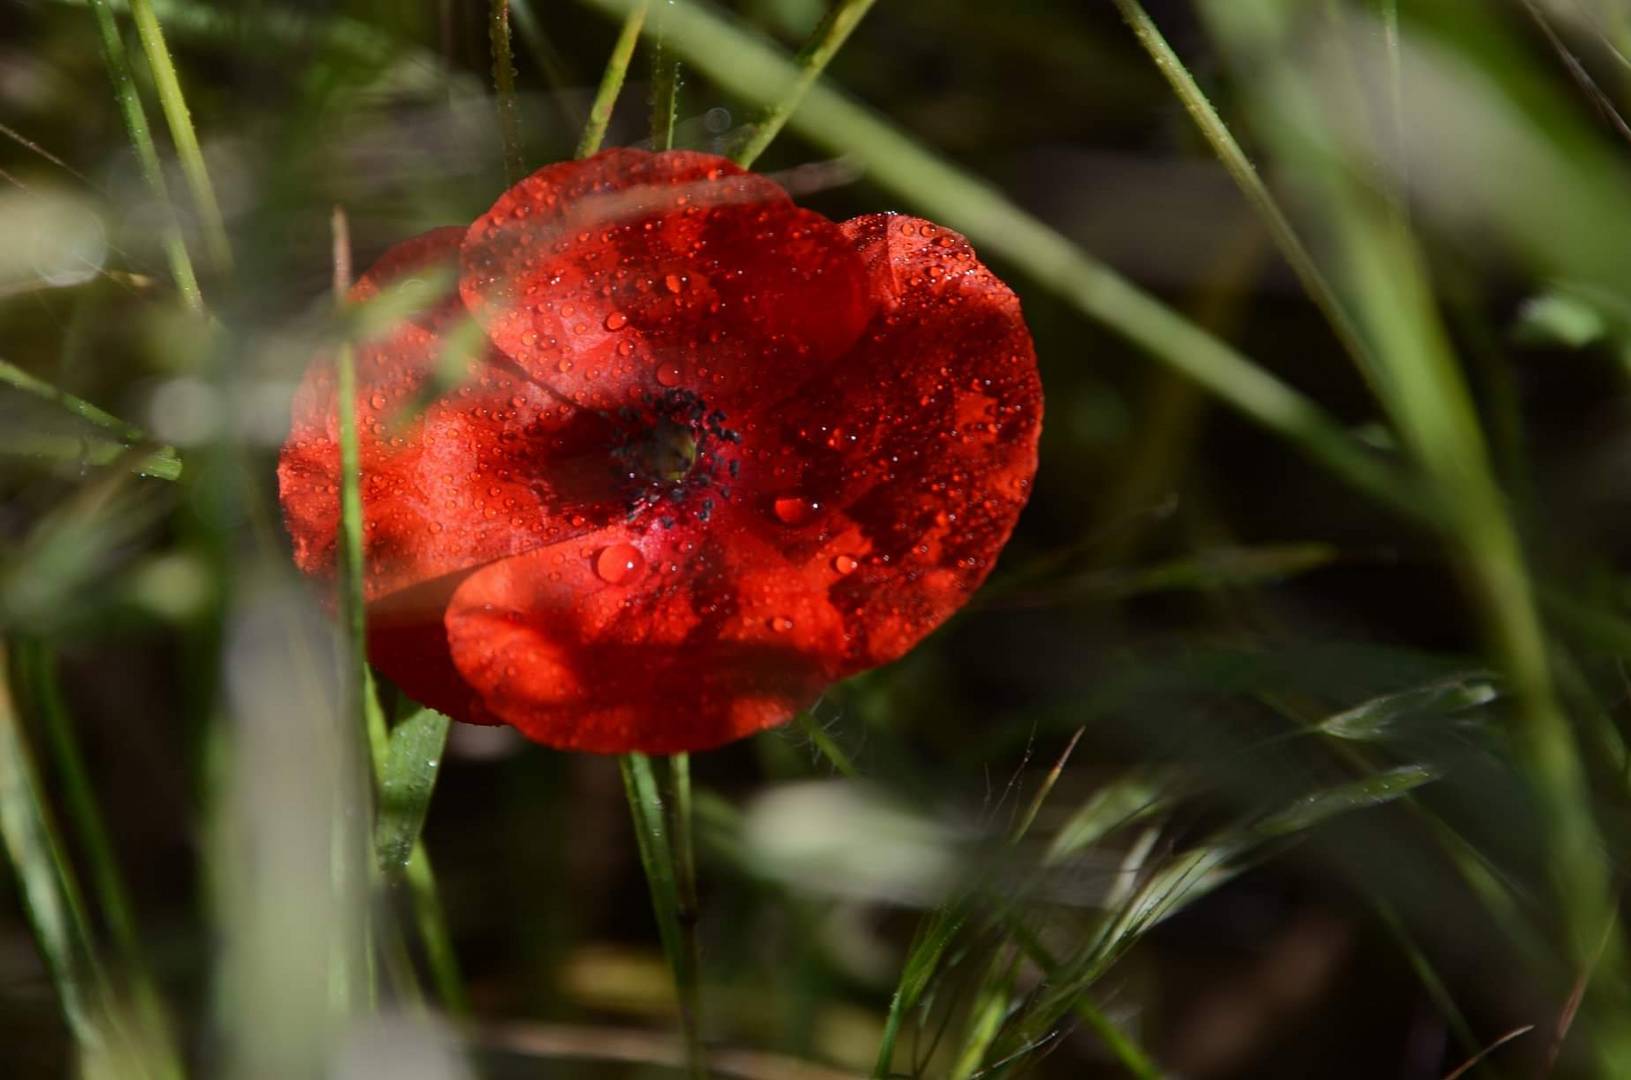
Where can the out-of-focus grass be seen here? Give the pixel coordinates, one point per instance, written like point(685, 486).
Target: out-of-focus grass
point(1349, 796)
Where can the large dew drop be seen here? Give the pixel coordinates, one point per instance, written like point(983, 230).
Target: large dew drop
point(619, 564)
point(795, 509)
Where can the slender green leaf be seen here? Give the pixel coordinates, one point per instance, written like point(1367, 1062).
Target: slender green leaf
point(179, 119)
point(509, 116)
point(413, 759)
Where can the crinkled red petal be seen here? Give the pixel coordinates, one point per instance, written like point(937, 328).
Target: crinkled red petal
point(711, 636)
point(496, 466)
point(629, 274)
point(910, 461)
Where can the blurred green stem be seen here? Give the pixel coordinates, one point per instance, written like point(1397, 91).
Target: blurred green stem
point(842, 18)
point(611, 82)
point(147, 155)
point(509, 119)
point(176, 115)
point(432, 920)
point(659, 860)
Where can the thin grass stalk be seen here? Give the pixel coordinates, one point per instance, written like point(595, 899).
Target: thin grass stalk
point(611, 82)
point(509, 116)
point(1245, 175)
point(651, 833)
point(49, 891)
point(147, 155)
point(812, 60)
point(179, 120)
point(37, 675)
point(665, 85)
point(746, 66)
point(433, 933)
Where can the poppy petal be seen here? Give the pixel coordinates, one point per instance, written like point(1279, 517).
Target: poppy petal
point(629, 274)
point(658, 642)
point(925, 470)
point(494, 467)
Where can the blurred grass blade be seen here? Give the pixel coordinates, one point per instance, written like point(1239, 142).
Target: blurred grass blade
point(36, 670)
point(934, 936)
point(49, 892)
point(842, 18)
point(509, 117)
point(1246, 178)
point(749, 67)
point(16, 377)
point(1390, 714)
point(147, 155)
point(413, 758)
point(651, 832)
point(1114, 805)
point(611, 82)
point(1427, 395)
point(176, 115)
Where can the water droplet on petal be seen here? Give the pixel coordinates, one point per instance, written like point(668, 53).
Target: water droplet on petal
point(619, 563)
point(672, 282)
point(844, 564)
point(377, 401)
point(616, 321)
point(668, 374)
point(795, 509)
point(781, 624)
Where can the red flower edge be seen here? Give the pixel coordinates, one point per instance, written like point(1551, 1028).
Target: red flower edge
point(708, 452)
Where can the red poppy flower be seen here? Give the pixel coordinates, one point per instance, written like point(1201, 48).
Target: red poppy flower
point(710, 453)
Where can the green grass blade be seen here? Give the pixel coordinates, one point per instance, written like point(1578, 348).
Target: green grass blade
point(433, 932)
point(15, 377)
point(509, 116)
point(147, 155)
point(1246, 178)
point(842, 19)
point(39, 684)
point(665, 83)
point(50, 894)
point(179, 119)
point(413, 759)
point(651, 832)
point(758, 72)
point(611, 82)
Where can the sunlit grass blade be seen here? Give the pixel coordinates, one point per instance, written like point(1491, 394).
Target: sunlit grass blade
point(611, 82)
point(747, 66)
point(1246, 178)
point(179, 120)
point(509, 116)
point(147, 155)
point(842, 19)
point(657, 857)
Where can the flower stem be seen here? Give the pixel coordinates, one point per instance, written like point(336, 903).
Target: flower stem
point(174, 104)
point(658, 857)
point(509, 123)
point(823, 45)
point(611, 82)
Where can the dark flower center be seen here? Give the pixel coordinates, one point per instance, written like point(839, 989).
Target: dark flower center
point(677, 458)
